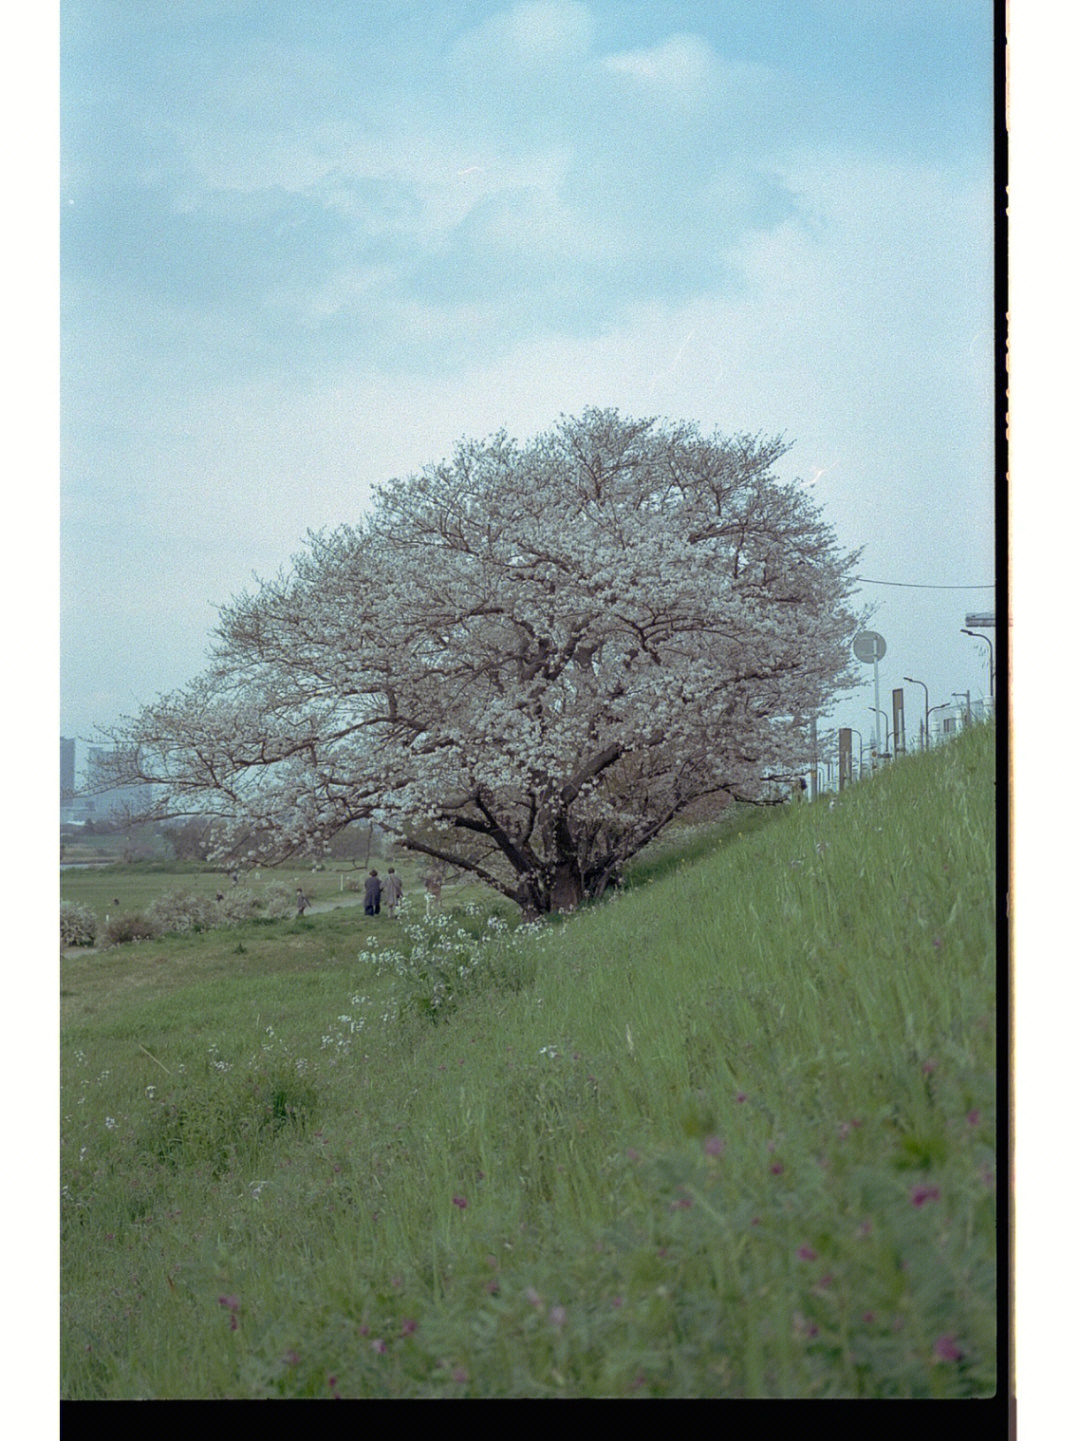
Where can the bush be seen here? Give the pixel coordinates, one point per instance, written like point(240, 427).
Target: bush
point(277, 900)
point(78, 924)
point(133, 927)
point(180, 911)
point(453, 956)
point(238, 904)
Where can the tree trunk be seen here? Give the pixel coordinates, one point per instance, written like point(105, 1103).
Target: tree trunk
point(566, 889)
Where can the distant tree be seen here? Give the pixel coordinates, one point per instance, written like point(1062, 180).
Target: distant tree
point(193, 841)
point(358, 843)
point(140, 842)
point(525, 662)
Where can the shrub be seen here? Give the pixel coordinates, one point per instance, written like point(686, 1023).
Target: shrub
point(453, 956)
point(179, 911)
point(277, 900)
point(78, 924)
point(238, 904)
point(225, 1119)
point(132, 927)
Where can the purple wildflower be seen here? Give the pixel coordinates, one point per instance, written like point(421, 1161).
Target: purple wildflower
point(460, 1202)
point(946, 1349)
point(806, 1253)
point(921, 1194)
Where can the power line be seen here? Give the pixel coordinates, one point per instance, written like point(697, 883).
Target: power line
point(912, 585)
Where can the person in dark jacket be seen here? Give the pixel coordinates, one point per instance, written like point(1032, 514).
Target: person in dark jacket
point(372, 892)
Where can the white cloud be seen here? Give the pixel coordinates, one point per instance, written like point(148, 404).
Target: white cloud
point(684, 69)
point(534, 33)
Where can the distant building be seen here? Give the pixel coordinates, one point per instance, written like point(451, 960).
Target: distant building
point(67, 772)
point(950, 722)
point(82, 796)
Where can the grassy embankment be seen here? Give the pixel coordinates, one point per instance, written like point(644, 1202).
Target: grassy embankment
point(729, 1134)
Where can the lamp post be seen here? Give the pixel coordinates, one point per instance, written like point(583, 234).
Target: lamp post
point(945, 705)
point(975, 636)
point(878, 711)
point(854, 732)
point(912, 681)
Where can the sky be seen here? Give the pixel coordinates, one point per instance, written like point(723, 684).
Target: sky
point(306, 249)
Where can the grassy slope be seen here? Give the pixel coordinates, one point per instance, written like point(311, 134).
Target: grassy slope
point(731, 1133)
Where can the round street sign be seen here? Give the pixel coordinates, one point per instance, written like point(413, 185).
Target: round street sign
point(868, 646)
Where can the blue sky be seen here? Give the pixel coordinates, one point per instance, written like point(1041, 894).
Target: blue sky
point(307, 248)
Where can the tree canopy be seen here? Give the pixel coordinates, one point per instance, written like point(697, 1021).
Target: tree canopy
point(524, 661)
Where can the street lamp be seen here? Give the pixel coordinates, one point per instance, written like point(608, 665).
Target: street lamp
point(912, 681)
point(945, 705)
point(976, 636)
point(854, 732)
point(878, 711)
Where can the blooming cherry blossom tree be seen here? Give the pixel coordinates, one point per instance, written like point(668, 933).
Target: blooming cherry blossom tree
point(525, 661)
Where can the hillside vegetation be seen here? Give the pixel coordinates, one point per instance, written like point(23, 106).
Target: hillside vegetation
point(730, 1133)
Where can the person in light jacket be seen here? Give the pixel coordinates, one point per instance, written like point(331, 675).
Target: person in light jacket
point(391, 891)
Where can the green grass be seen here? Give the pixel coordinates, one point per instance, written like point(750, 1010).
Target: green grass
point(136, 886)
point(730, 1133)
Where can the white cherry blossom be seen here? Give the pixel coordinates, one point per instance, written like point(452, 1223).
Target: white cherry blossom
point(525, 661)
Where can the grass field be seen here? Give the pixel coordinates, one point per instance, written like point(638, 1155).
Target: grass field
point(730, 1133)
point(110, 888)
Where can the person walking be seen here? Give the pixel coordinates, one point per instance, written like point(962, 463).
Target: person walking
point(391, 891)
point(372, 892)
point(302, 903)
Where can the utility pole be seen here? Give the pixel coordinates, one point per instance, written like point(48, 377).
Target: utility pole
point(813, 759)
